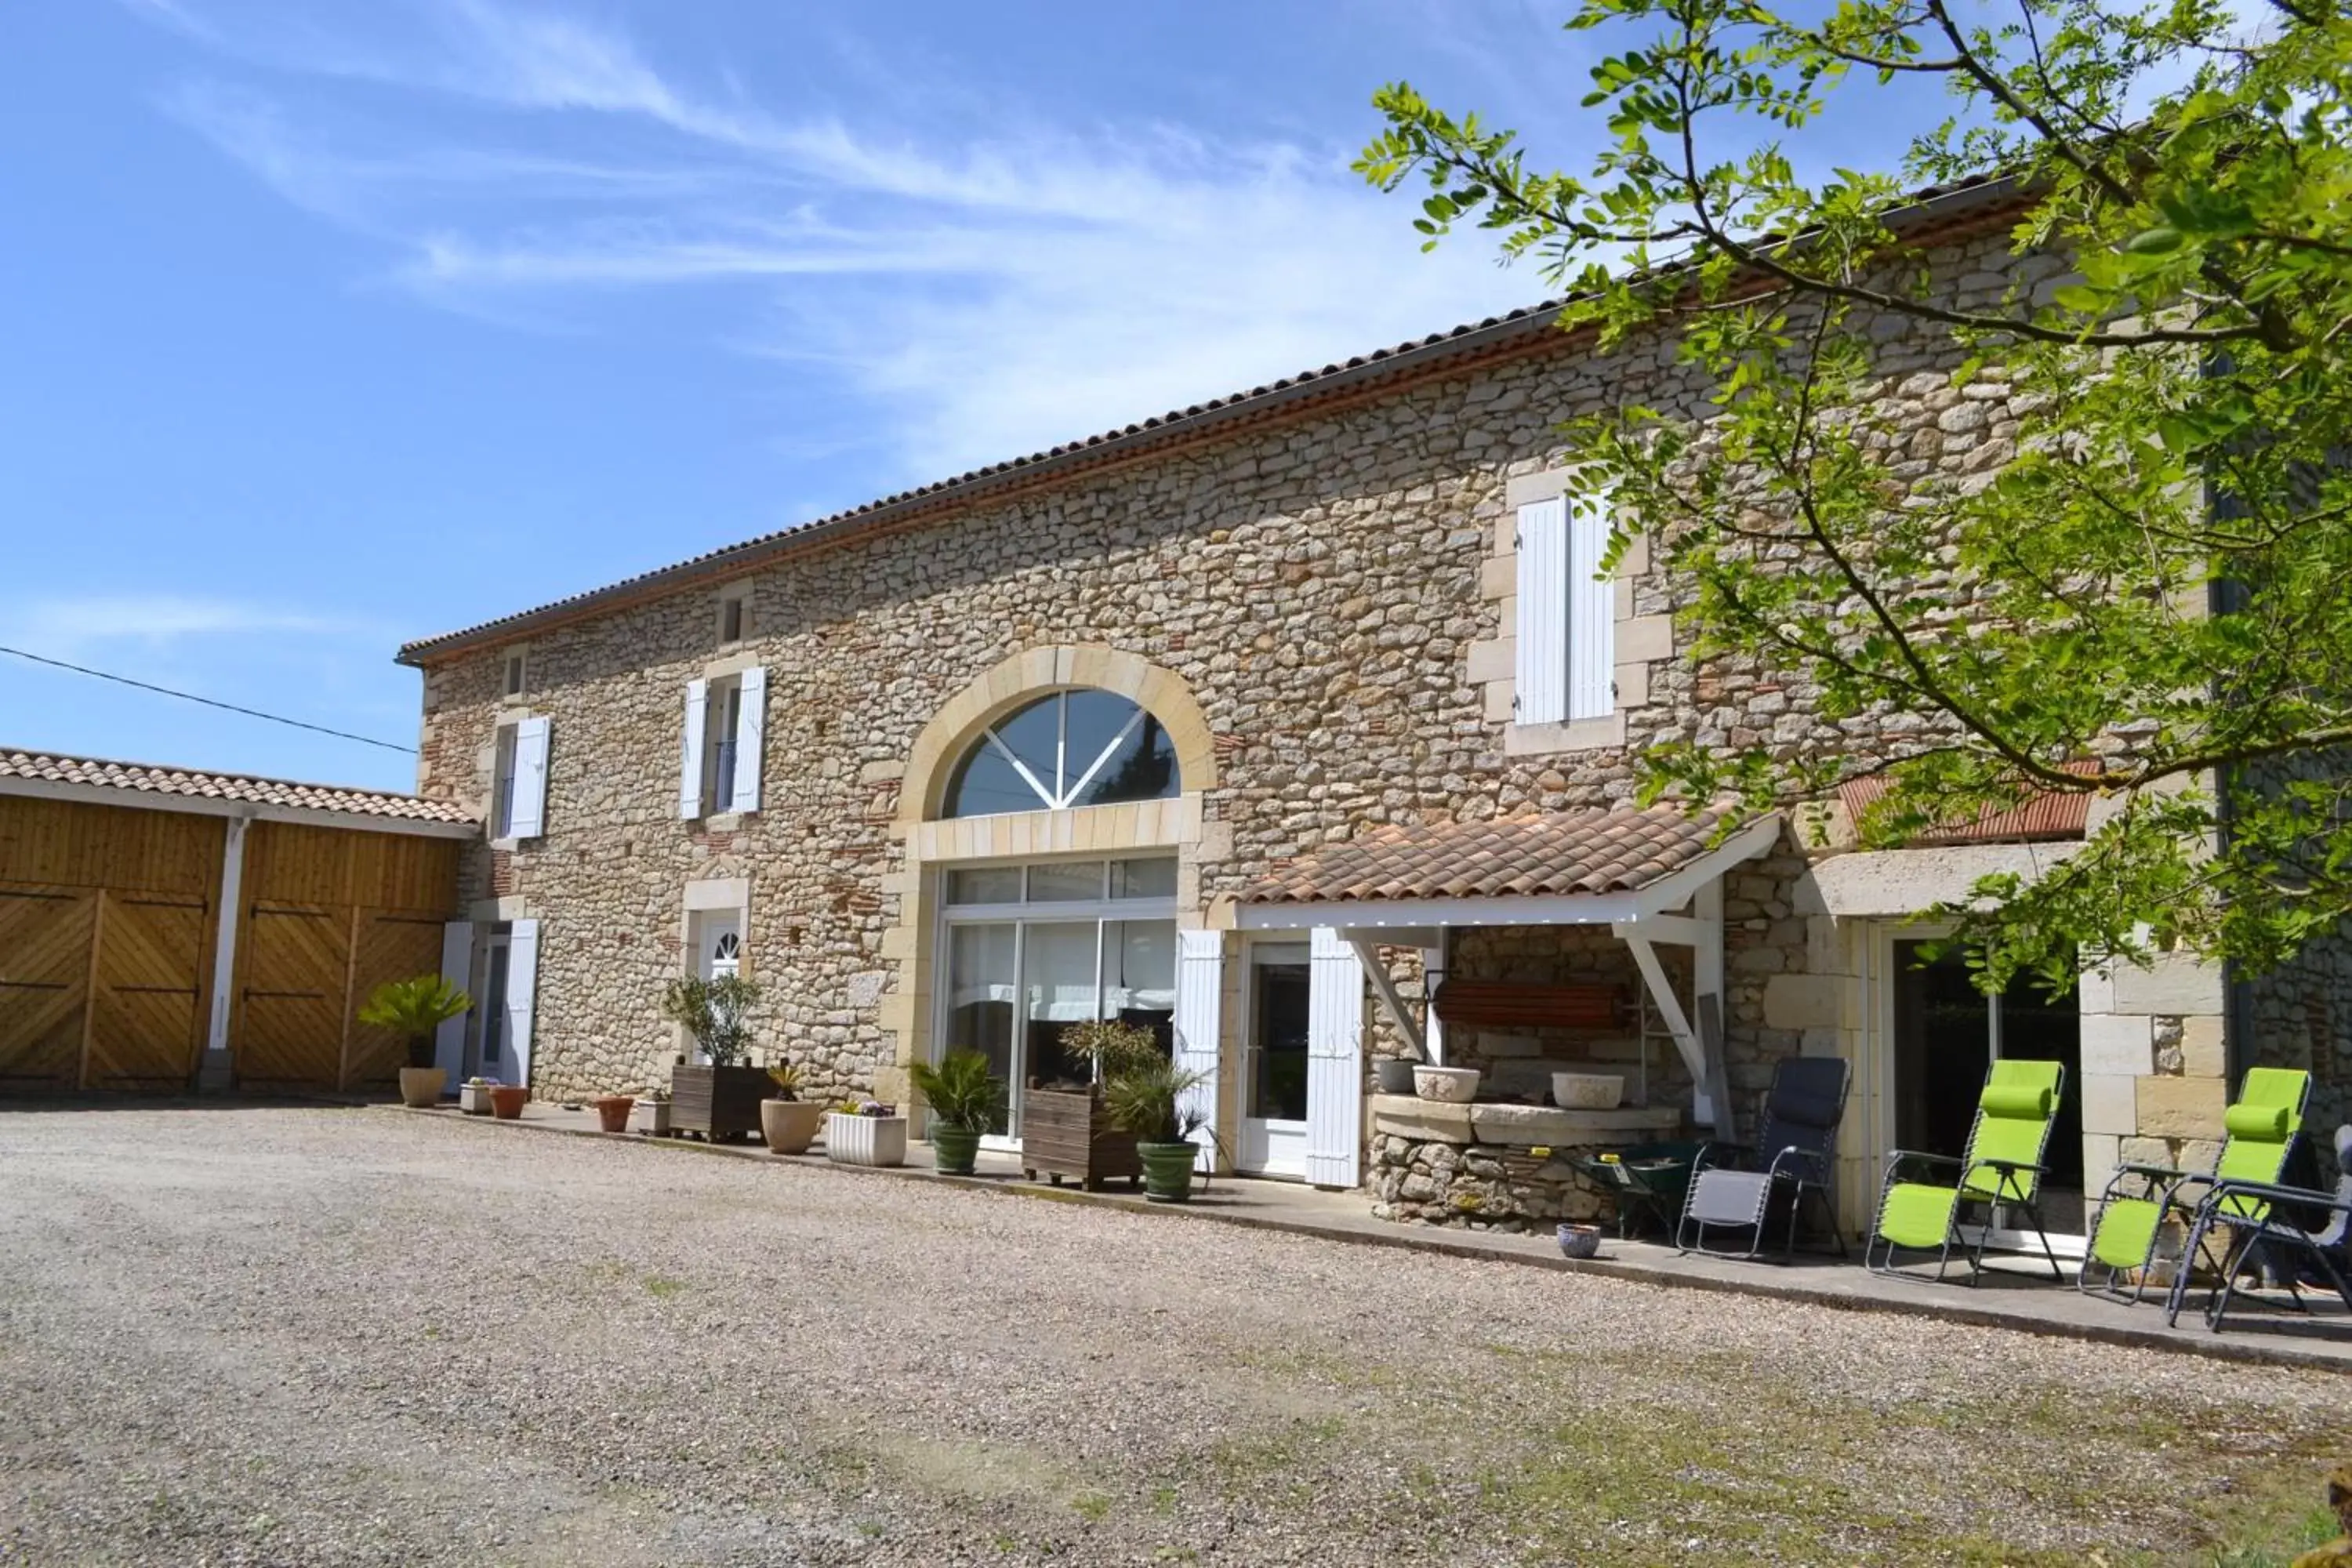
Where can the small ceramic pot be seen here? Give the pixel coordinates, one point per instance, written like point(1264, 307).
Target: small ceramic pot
point(474, 1099)
point(1447, 1086)
point(1588, 1090)
point(613, 1110)
point(1168, 1171)
point(507, 1100)
point(1393, 1075)
point(1579, 1241)
point(420, 1087)
point(789, 1126)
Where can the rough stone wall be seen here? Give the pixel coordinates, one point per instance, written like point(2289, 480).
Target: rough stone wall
point(1315, 583)
point(2300, 1014)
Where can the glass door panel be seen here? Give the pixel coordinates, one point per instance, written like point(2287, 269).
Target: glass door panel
point(983, 983)
point(1059, 988)
point(1138, 979)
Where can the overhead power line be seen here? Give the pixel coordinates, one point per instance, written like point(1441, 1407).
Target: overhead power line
point(208, 702)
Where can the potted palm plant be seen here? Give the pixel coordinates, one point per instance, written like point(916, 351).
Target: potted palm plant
point(788, 1123)
point(1151, 1100)
point(719, 1098)
point(966, 1100)
point(416, 1009)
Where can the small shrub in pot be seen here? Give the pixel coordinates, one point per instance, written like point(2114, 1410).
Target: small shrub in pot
point(967, 1100)
point(788, 1123)
point(416, 1009)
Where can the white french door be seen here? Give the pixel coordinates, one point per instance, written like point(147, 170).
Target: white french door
point(1273, 1140)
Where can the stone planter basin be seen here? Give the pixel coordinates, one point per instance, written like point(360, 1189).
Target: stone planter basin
point(1588, 1090)
point(1446, 1086)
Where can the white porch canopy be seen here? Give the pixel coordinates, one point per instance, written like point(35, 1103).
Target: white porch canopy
point(1653, 875)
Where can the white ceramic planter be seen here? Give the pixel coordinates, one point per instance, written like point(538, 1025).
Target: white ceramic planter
point(1447, 1086)
point(1588, 1090)
point(474, 1099)
point(864, 1140)
point(651, 1117)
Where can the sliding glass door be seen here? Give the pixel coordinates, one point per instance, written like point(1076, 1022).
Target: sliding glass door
point(1032, 950)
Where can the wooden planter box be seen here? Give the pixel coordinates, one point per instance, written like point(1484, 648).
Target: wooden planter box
point(722, 1104)
point(1065, 1134)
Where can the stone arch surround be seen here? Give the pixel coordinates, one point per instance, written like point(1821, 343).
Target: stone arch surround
point(929, 842)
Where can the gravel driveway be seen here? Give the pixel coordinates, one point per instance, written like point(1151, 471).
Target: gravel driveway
point(328, 1337)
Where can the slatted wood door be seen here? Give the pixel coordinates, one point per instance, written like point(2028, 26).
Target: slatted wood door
point(45, 937)
point(391, 946)
point(294, 966)
point(147, 1030)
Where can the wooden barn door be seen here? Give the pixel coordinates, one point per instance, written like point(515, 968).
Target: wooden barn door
point(45, 947)
point(295, 977)
point(147, 1027)
point(391, 946)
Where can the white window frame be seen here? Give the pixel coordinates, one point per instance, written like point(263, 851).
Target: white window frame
point(722, 730)
point(505, 758)
point(1021, 916)
point(1049, 799)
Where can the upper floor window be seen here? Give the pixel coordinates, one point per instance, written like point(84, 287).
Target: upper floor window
point(719, 757)
point(1568, 614)
point(518, 670)
point(1071, 749)
point(734, 615)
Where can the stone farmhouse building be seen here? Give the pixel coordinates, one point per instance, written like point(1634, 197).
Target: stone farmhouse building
point(1253, 722)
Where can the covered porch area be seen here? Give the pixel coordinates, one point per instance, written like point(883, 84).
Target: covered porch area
point(1535, 952)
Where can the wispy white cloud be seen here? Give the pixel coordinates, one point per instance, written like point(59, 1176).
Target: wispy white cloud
point(64, 626)
point(977, 286)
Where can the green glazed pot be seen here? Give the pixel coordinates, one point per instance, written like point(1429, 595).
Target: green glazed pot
point(953, 1149)
point(1166, 1171)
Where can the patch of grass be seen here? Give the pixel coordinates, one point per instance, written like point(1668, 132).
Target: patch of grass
point(1092, 1506)
point(1163, 1501)
point(662, 1286)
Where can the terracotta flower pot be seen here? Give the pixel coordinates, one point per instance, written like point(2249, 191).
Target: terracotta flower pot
point(507, 1101)
point(789, 1126)
point(420, 1087)
point(613, 1110)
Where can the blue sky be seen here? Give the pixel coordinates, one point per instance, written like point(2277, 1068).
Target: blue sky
point(331, 323)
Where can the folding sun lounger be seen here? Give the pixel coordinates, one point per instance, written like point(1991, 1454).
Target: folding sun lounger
point(1793, 1157)
point(2251, 1218)
point(2261, 1128)
point(2000, 1168)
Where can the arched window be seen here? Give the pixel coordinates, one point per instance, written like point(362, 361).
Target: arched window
point(1073, 748)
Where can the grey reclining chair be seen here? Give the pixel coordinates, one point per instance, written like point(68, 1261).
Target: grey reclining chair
point(1794, 1155)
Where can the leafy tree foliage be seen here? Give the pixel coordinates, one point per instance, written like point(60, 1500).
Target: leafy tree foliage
point(2145, 594)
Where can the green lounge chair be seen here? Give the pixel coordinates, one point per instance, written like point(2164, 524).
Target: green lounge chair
point(2000, 1168)
point(2261, 1128)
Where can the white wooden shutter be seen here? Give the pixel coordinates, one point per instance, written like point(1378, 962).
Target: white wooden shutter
point(689, 767)
point(457, 969)
point(750, 740)
point(1542, 672)
point(529, 818)
point(522, 984)
point(1200, 1000)
point(1592, 616)
point(1334, 1060)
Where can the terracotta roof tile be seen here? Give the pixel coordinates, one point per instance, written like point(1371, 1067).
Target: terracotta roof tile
point(149, 778)
point(1572, 852)
point(2043, 816)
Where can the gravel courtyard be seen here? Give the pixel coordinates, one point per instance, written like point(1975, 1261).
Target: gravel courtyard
point(328, 1337)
